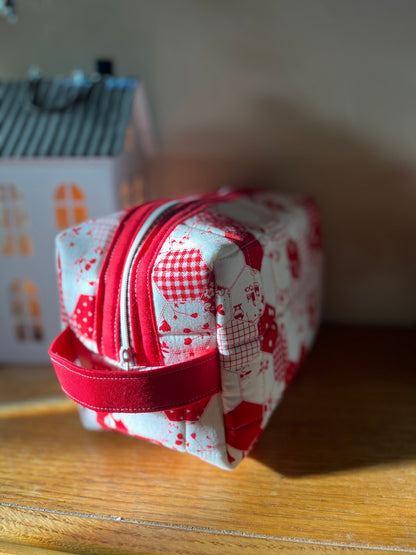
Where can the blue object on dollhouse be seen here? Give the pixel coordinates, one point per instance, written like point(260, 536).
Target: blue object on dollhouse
point(70, 150)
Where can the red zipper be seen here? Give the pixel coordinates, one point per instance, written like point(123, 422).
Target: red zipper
point(108, 291)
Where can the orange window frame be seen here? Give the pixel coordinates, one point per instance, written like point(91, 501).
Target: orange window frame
point(70, 205)
point(15, 236)
point(25, 310)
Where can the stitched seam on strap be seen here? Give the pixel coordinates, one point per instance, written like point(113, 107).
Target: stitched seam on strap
point(132, 377)
point(139, 409)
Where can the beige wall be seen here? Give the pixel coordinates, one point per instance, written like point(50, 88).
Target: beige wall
point(311, 96)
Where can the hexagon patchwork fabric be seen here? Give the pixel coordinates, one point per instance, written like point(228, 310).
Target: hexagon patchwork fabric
point(233, 275)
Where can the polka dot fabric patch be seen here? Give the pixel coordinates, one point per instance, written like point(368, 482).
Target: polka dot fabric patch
point(82, 319)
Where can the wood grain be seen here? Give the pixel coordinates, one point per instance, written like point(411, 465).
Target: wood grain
point(93, 535)
point(334, 472)
point(16, 549)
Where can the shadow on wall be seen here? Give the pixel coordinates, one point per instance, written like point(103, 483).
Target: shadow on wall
point(367, 201)
point(351, 405)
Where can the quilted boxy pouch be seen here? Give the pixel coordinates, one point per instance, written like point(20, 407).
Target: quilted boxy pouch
point(185, 320)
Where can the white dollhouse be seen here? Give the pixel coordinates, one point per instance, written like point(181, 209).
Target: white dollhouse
point(68, 152)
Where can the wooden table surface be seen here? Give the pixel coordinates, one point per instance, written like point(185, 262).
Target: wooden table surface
point(335, 471)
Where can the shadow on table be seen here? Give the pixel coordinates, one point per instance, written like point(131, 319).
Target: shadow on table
point(353, 404)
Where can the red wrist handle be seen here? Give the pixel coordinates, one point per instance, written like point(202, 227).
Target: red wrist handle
point(105, 390)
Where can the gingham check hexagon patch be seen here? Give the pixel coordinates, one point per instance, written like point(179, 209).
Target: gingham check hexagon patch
point(182, 275)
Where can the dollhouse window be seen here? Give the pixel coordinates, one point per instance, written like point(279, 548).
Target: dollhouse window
point(131, 192)
point(70, 206)
point(15, 238)
point(25, 310)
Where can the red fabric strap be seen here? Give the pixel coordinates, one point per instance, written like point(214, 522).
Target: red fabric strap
point(105, 390)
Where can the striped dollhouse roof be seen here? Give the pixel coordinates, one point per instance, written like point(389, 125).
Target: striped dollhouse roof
point(57, 118)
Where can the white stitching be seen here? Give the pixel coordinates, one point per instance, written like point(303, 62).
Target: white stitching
point(141, 409)
point(117, 320)
point(127, 377)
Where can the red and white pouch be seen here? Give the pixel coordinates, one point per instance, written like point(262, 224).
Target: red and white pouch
point(185, 320)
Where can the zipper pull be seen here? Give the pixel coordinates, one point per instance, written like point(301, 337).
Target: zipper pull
point(126, 357)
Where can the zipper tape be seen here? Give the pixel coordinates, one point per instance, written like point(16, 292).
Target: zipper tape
point(125, 351)
point(106, 328)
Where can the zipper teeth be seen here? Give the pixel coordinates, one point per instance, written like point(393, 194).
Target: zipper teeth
point(125, 351)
